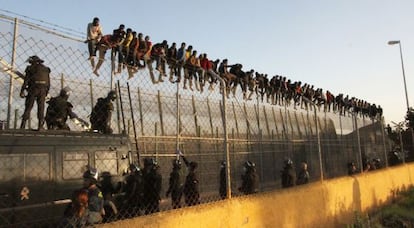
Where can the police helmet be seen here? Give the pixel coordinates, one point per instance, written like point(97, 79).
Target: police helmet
point(112, 95)
point(65, 91)
point(150, 162)
point(134, 168)
point(34, 59)
point(177, 163)
point(91, 174)
point(288, 161)
point(249, 164)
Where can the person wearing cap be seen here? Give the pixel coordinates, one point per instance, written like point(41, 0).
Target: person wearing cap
point(250, 180)
point(176, 184)
point(94, 34)
point(59, 110)
point(37, 84)
point(96, 200)
point(102, 114)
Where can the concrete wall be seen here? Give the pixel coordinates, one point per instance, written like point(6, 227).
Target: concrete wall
point(330, 203)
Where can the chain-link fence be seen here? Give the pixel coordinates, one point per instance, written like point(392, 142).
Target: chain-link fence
point(217, 134)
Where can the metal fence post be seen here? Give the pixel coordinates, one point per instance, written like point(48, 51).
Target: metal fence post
point(10, 98)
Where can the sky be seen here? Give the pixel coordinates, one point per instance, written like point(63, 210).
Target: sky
point(339, 45)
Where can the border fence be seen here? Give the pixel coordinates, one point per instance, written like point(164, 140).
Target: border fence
point(161, 118)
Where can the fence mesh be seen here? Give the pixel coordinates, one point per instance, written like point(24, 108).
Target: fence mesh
point(159, 119)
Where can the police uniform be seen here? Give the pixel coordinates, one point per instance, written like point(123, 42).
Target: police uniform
point(37, 84)
point(288, 175)
point(176, 184)
point(58, 111)
point(102, 113)
point(249, 179)
point(152, 187)
point(191, 186)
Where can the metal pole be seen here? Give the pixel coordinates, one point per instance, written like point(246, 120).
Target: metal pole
point(177, 121)
point(10, 98)
point(383, 140)
point(359, 142)
point(403, 71)
point(318, 136)
point(226, 137)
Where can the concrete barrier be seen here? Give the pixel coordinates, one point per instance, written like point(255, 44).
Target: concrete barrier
point(331, 203)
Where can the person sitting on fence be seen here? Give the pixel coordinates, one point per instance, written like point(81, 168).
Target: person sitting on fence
point(102, 114)
point(59, 110)
point(94, 34)
point(107, 42)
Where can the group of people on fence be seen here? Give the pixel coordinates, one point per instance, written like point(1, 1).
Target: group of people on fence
point(136, 52)
point(140, 191)
point(36, 86)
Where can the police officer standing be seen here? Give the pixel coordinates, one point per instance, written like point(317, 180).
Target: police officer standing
point(37, 84)
point(223, 180)
point(96, 200)
point(152, 186)
point(191, 186)
point(176, 184)
point(250, 180)
point(102, 114)
point(133, 191)
point(288, 174)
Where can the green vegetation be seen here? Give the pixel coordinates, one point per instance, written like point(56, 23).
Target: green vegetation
point(399, 214)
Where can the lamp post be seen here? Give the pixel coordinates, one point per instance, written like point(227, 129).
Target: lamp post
point(392, 42)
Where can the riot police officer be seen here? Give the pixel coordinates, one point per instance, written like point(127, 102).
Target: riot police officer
point(102, 113)
point(191, 185)
point(223, 180)
point(96, 200)
point(288, 174)
point(176, 184)
point(152, 186)
point(37, 84)
point(250, 180)
point(59, 110)
point(133, 191)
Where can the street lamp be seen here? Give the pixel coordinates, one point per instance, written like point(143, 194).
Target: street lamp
point(392, 42)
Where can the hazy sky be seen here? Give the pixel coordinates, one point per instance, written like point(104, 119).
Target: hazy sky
point(337, 45)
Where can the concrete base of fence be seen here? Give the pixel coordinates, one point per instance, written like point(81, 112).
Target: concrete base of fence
point(332, 203)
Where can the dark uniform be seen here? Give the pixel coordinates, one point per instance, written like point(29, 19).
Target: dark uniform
point(37, 84)
point(191, 186)
point(288, 175)
point(176, 184)
point(223, 182)
point(59, 110)
point(152, 186)
point(250, 180)
point(133, 192)
point(102, 113)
